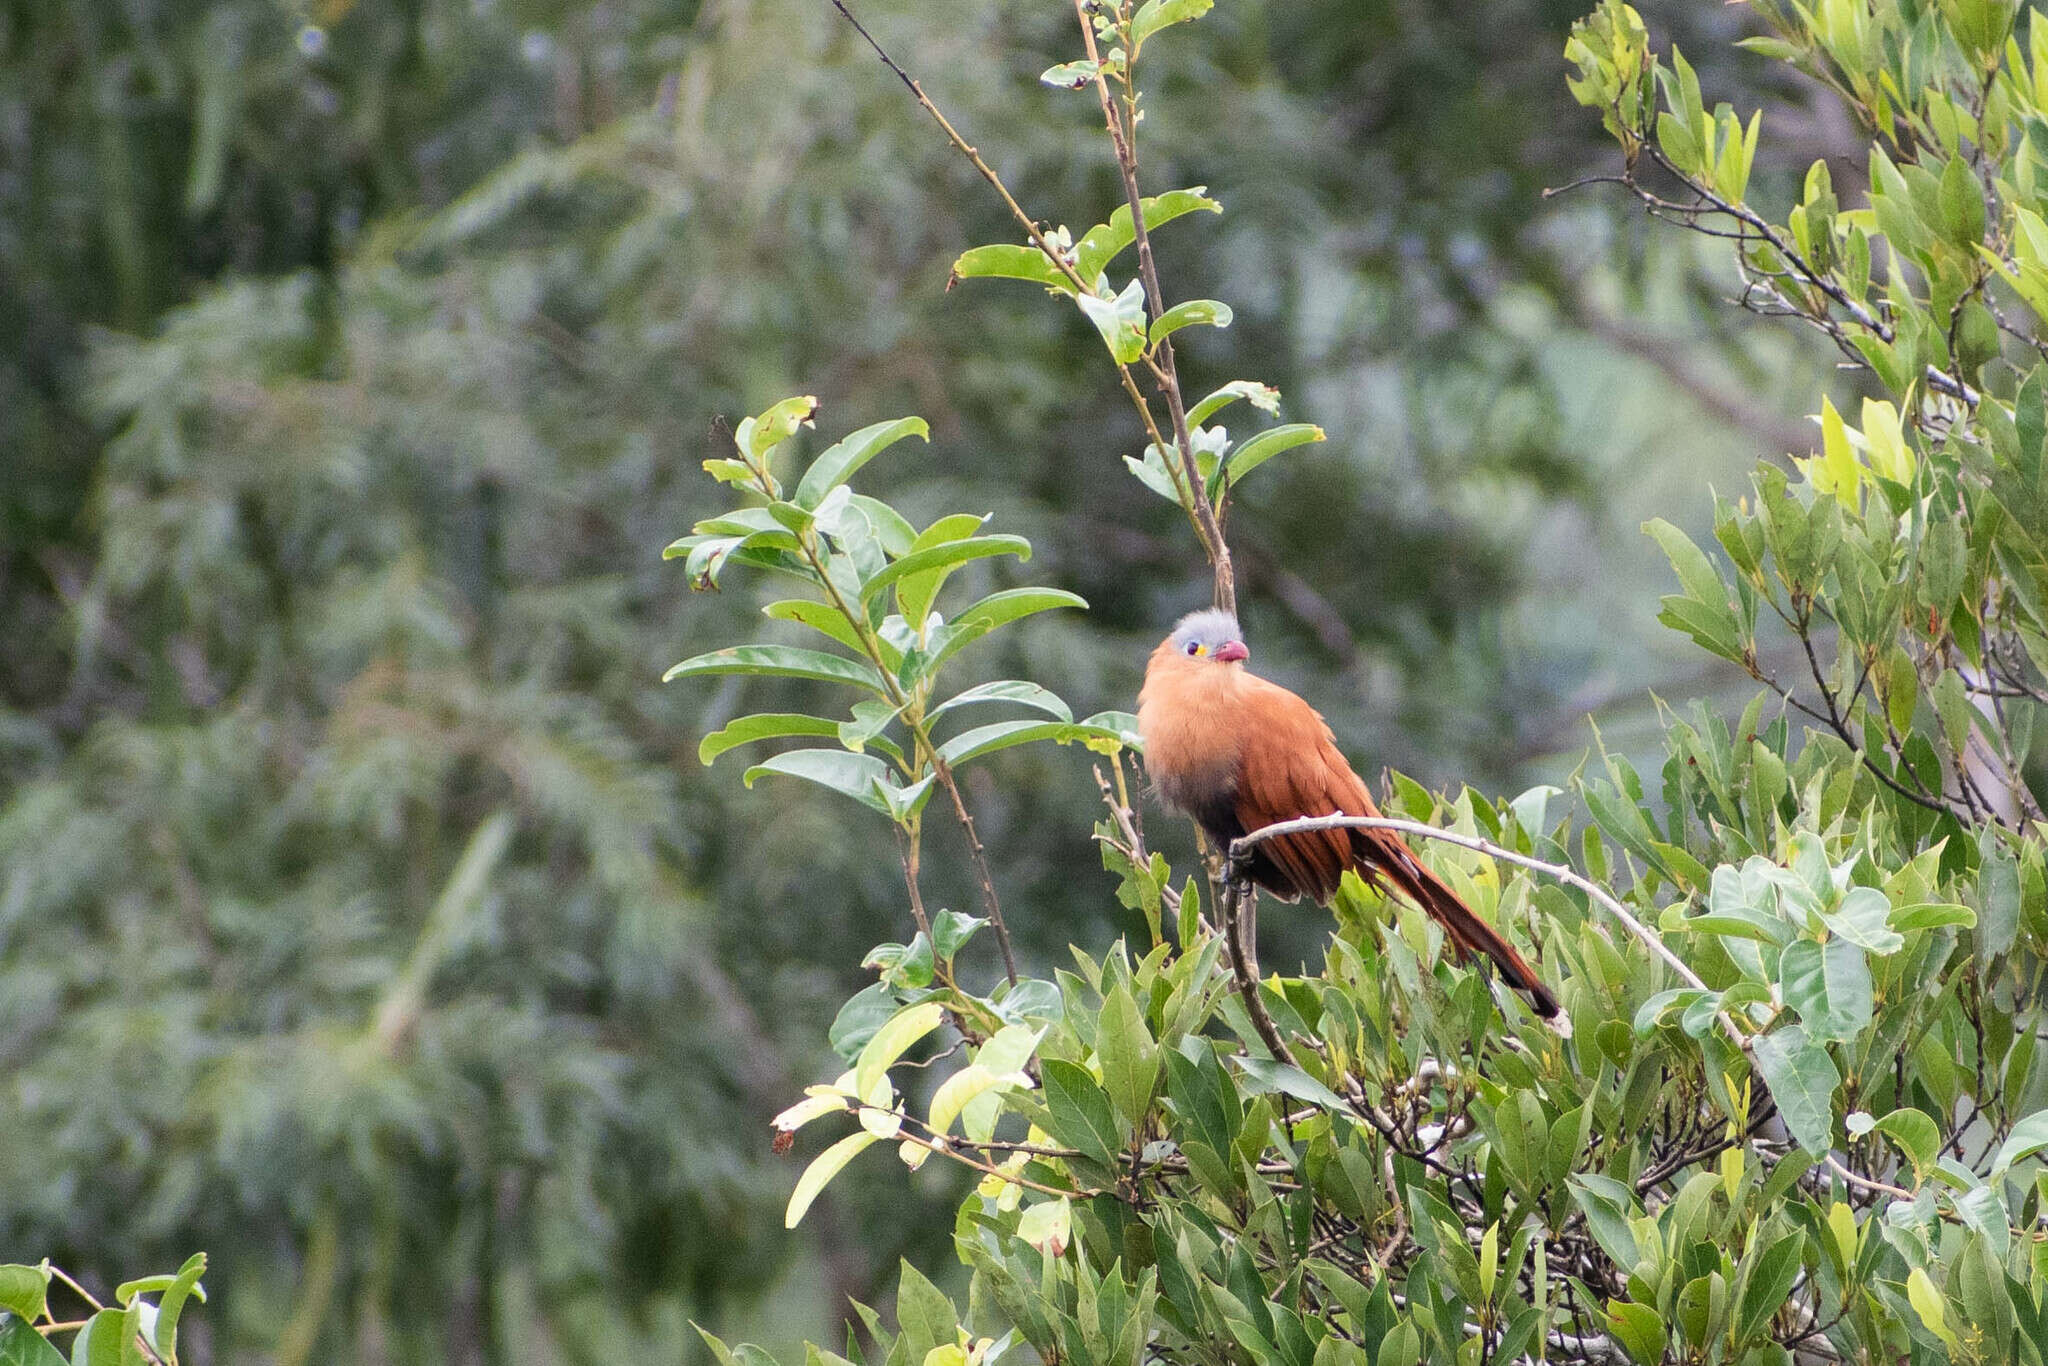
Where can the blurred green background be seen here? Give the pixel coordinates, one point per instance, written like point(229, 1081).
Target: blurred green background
point(365, 917)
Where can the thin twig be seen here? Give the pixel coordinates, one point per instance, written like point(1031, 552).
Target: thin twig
point(1244, 965)
point(989, 901)
point(1243, 844)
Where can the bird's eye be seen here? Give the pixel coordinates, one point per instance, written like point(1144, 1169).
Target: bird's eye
point(1194, 648)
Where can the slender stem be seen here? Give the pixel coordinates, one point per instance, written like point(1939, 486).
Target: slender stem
point(994, 907)
point(1123, 139)
point(80, 1290)
point(1243, 844)
point(907, 841)
point(1244, 966)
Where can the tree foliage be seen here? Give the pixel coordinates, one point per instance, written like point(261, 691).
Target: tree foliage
point(1800, 1111)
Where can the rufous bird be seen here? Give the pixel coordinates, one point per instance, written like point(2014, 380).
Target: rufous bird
point(1238, 753)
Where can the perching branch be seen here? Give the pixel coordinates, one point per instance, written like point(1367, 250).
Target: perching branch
point(1242, 846)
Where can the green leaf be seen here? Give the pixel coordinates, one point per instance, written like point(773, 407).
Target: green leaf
point(1006, 261)
point(2028, 1137)
point(1007, 690)
point(762, 726)
point(1695, 570)
point(1255, 452)
point(1269, 1074)
point(1106, 240)
point(1193, 313)
point(21, 1345)
point(946, 555)
point(1864, 918)
point(972, 744)
point(1917, 1135)
point(762, 434)
point(1130, 1059)
point(1638, 1328)
point(1829, 985)
point(892, 1040)
point(1154, 15)
point(1802, 1079)
point(821, 1171)
point(1078, 1112)
point(109, 1339)
point(1013, 604)
point(1120, 320)
point(1264, 397)
point(1070, 75)
point(24, 1290)
point(841, 460)
point(1928, 915)
point(858, 1020)
point(164, 1333)
point(780, 661)
point(957, 1091)
point(862, 777)
point(1766, 1288)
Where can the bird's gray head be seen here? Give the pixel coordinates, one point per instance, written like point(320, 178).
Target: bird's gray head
point(1213, 635)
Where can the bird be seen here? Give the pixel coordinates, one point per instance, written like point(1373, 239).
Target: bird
point(1237, 752)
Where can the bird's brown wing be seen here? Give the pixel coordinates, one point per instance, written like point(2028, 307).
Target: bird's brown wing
point(1291, 768)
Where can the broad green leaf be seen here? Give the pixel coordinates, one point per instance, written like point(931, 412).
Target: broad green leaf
point(21, 1345)
point(762, 726)
point(1006, 1052)
point(1269, 1074)
point(1639, 1329)
point(1695, 571)
point(171, 1305)
point(972, 744)
point(1192, 313)
point(960, 1089)
point(859, 776)
point(1013, 604)
point(1130, 1060)
point(1078, 1112)
point(780, 661)
point(842, 460)
point(1154, 15)
point(1048, 1225)
point(1006, 261)
point(892, 1040)
point(1829, 985)
point(1256, 451)
point(1927, 1303)
point(1264, 397)
point(946, 555)
point(762, 434)
point(1929, 915)
point(1864, 918)
point(1768, 1285)
point(1120, 320)
point(1070, 75)
point(1916, 1134)
point(822, 1101)
point(109, 1339)
point(1104, 241)
point(1802, 1079)
point(1007, 690)
point(24, 1290)
point(821, 1171)
point(2028, 1137)
point(818, 616)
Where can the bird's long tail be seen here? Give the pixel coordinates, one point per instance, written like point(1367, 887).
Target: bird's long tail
point(1392, 862)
